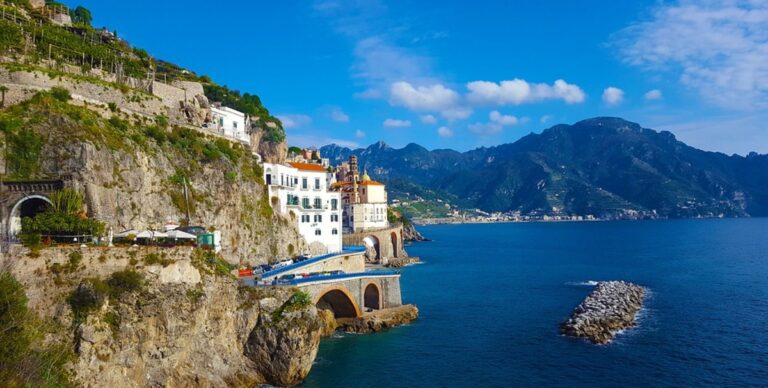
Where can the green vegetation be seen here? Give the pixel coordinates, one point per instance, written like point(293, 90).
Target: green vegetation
point(22, 151)
point(25, 360)
point(208, 262)
point(157, 258)
point(60, 94)
point(249, 104)
point(294, 150)
point(91, 293)
point(64, 217)
point(298, 301)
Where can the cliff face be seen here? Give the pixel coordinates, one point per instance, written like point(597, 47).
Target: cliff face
point(133, 172)
point(183, 326)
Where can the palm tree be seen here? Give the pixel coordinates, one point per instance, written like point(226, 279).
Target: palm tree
point(3, 89)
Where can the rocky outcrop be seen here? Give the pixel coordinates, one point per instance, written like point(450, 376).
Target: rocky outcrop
point(283, 345)
point(380, 319)
point(195, 329)
point(410, 234)
point(400, 262)
point(611, 307)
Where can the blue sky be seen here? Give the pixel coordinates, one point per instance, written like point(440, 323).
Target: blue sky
point(453, 74)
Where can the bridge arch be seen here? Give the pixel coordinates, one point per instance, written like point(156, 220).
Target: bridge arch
point(28, 206)
point(373, 246)
point(339, 300)
point(372, 296)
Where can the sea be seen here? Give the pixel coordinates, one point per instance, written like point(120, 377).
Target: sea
point(491, 297)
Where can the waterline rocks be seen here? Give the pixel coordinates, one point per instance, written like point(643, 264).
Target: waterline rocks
point(611, 307)
point(379, 320)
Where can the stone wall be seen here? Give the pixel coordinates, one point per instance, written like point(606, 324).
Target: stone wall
point(387, 249)
point(389, 289)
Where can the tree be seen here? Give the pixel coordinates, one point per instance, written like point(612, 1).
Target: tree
point(3, 89)
point(81, 15)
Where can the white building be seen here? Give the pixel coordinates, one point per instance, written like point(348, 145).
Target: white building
point(300, 191)
point(231, 123)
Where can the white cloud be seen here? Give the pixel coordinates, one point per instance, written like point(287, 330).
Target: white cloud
point(396, 123)
point(654, 94)
point(432, 97)
point(501, 119)
point(444, 132)
point(428, 119)
point(486, 129)
point(338, 115)
point(613, 95)
point(545, 119)
point(518, 91)
point(718, 48)
point(456, 113)
point(294, 120)
point(359, 134)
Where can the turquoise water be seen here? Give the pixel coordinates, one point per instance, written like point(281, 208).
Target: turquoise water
point(491, 297)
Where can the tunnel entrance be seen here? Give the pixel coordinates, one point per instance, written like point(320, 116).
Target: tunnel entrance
point(372, 297)
point(395, 251)
point(29, 206)
point(339, 303)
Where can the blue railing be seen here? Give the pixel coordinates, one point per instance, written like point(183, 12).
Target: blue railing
point(345, 251)
point(341, 276)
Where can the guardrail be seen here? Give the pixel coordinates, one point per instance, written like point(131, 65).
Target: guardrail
point(347, 250)
point(342, 276)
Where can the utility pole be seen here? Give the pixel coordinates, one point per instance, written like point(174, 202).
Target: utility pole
point(186, 199)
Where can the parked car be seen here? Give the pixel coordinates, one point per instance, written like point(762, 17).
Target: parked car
point(282, 264)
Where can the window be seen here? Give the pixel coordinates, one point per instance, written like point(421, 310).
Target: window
point(304, 183)
point(318, 203)
point(305, 218)
point(317, 183)
point(317, 232)
point(234, 124)
point(318, 218)
point(335, 231)
point(334, 218)
point(305, 203)
point(334, 204)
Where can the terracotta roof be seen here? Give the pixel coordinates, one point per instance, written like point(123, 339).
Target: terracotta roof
point(308, 166)
point(373, 183)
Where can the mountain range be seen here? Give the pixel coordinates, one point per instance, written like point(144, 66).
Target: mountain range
point(606, 167)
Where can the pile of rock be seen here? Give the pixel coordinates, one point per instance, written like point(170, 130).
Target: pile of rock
point(379, 320)
point(611, 307)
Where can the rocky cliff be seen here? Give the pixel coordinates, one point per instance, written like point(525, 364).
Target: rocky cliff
point(180, 322)
point(133, 172)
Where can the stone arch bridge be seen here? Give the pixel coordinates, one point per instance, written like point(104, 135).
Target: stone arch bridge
point(382, 244)
point(350, 295)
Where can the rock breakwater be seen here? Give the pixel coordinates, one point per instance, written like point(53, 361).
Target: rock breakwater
point(611, 307)
point(379, 320)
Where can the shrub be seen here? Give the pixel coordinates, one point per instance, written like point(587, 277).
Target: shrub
point(209, 262)
point(112, 106)
point(118, 123)
point(24, 360)
point(60, 94)
point(124, 281)
point(87, 297)
point(22, 154)
point(155, 258)
point(31, 240)
point(161, 121)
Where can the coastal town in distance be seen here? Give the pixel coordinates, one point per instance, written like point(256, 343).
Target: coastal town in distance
point(383, 193)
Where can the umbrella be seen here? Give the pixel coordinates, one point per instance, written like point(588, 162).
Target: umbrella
point(150, 234)
point(127, 233)
point(180, 234)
